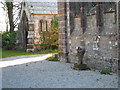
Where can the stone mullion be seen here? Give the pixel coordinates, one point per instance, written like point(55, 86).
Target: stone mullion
point(49, 25)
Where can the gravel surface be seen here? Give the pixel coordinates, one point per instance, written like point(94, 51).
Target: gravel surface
point(0, 78)
point(48, 74)
point(19, 57)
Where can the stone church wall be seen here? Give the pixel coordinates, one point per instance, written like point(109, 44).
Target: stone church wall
point(101, 47)
point(40, 23)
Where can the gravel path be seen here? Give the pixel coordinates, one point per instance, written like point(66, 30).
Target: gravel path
point(47, 74)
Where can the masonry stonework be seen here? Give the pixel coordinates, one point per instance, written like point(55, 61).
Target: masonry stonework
point(62, 31)
point(118, 15)
point(101, 47)
point(41, 23)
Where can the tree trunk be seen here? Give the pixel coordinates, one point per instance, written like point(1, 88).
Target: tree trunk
point(10, 15)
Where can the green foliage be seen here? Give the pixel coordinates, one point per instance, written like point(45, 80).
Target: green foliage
point(52, 59)
point(0, 40)
point(9, 40)
point(50, 38)
point(55, 22)
point(105, 71)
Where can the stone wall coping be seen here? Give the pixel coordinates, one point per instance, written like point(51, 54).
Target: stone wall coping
point(104, 13)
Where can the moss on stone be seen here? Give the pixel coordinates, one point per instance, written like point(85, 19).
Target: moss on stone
point(52, 59)
point(105, 71)
point(80, 67)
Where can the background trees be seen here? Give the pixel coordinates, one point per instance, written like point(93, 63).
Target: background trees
point(12, 10)
point(9, 6)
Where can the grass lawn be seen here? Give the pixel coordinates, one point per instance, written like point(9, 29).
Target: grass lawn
point(9, 53)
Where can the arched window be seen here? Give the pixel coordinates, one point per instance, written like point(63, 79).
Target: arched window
point(46, 26)
point(41, 25)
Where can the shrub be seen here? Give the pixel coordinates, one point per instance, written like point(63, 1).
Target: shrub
point(50, 38)
point(0, 40)
point(55, 22)
point(105, 71)
point(9, 40)
point(52, 58)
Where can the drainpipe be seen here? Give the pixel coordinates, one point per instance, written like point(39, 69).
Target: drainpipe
point(118, 36)
point(66, 33)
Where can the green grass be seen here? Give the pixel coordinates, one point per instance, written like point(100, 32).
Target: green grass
point(9, 53)
point(52, 59)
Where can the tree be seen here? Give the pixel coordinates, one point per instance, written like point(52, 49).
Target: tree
point(9, 6)
point(12, 9)
point(6, 15)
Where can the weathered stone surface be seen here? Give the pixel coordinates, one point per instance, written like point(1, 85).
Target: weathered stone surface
point(101, 47)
